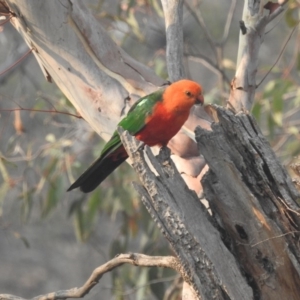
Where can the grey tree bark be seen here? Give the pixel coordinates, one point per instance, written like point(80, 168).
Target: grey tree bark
point(247, 248)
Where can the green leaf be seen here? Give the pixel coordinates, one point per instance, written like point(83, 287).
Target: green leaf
point(93, 205)
point(55, 193)
point(293, 148)
point(293, 130)
point(277, 117)
point(142, 284)
point(298, 62)
point(256, 110)
point(290, 18)
point(278, 103)
point(4, 188)
point(27, 200)
point(271, 125)
point(79, 224)
point(269, 88)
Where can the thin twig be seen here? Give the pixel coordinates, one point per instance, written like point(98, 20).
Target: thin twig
point(150, 282)
point(279, 56)
point(273, 237)
point(16, 62)
point(294, 59)
point(198, 17)
point(135, 259)
point(277, 11)
point(210, 65)
point(173, 15)
point(42, 111)
point(6, 21)
point(288, 208)
point(228, 23)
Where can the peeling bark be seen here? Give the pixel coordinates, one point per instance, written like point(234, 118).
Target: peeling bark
point(255, 203)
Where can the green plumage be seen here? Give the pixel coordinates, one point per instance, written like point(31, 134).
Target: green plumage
point(134, 121)
point(113, 153)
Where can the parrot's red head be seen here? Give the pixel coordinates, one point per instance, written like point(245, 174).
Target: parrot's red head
point(183, 94)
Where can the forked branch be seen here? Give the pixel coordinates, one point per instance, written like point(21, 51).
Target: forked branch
point(135, 259)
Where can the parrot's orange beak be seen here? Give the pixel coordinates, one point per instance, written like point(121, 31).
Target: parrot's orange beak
point(200, 99)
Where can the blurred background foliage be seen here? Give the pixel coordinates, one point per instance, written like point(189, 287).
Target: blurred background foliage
point(44, 146)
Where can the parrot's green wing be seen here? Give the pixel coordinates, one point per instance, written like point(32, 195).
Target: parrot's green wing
point(113, 153)
point(135, 119)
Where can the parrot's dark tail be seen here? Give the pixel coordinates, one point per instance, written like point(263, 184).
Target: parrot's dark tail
point(99, 170)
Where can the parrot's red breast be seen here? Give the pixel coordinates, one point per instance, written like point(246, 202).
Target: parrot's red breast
point(169, 115)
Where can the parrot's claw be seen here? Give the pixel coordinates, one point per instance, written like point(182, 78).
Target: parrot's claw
point(141, 146)
point(164, 155)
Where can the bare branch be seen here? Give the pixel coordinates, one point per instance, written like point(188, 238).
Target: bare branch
point(41, 111)
point(4, 22)
point(243, 86)
point(135, 259)
point(228, 23)
point(277, 11)
point(173, 11)
point(279, 56)
point(205, 61)
point(12, 62)
point(198, 17)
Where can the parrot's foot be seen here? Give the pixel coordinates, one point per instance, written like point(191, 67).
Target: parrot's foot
point(164, 155)
point(141, 146)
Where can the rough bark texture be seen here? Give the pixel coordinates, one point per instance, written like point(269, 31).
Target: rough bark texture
point(207, 264)
point(255, 202)
point(249, 248)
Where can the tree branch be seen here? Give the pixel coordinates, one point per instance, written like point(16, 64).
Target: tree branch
point(185, 223)
point(243, 85)
point(15, 59)
point(135, 259)
point(199, 19)
point(278, 57)
point(228, 23)
point(41, 111)
point(173, 12)
point(206, 62)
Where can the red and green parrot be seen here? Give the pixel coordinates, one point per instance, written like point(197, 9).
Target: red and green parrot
point(153, 119)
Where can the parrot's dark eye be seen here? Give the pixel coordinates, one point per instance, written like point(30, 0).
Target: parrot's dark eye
point(188, 93)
